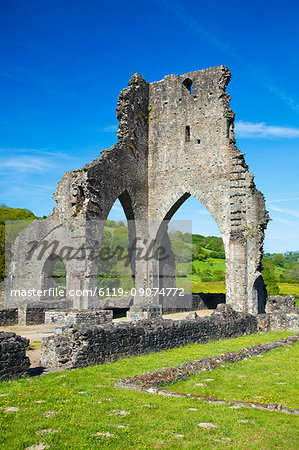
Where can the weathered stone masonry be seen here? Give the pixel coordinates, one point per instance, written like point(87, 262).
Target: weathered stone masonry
point(73, 347)
point(175, 139)
point(13, 360)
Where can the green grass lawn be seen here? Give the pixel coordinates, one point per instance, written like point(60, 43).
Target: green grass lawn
point(210, 264)
point(269, 378)
point(190, 284)
point(68, 409)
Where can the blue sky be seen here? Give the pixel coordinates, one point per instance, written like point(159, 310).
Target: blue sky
point(63, 65)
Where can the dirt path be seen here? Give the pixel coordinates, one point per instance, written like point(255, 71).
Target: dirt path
point(34, 333)
point(182, 315)
point(175, 316)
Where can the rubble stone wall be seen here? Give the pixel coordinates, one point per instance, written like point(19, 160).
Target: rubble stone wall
point(73, 347)
point(13, 360)
point(8, 316)
point(77, 317)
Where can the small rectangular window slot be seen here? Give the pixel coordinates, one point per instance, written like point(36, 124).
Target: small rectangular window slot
point(198, 141)
point(187, 134)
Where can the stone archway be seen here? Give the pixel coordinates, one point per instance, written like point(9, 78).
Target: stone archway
point(259, 294)
point(48, 282)
point(167, 269)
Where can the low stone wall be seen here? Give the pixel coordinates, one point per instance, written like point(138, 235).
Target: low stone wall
point(88, 317)
point(278, 303)
point(31, 316)
point(13, 360)
point(172, 375)
point(278, 321)
point(73, 347)
point(8, 316)
point(35, 316)
point(190, 302)
point(282, 313)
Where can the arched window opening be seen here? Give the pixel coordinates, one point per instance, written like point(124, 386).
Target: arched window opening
point(116, 265)
point(54, 279)
point(188, 85)
point(259, 294)
point(204, 272)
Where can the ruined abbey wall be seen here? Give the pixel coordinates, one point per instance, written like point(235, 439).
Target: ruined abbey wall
point(175, 139)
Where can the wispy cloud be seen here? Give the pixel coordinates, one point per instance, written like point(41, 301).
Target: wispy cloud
point(284, 221)
point(26, 164)
point(203, 212)
point(181, 14)
point(283, 200)
point(36, 151)
point(117, 206)
point(110, 129)
point(261, 130)
point(42, 186)
point(290, 212)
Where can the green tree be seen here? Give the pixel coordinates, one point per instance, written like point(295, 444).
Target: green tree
point(270, 282)
point(206, 276)
point(201, 257)
point(278, 260)
point(22, 217)
point(294, 273)
point(218, 275)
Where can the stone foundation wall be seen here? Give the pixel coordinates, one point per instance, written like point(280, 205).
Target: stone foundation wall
point(31, 316)
point(8, 316)
point(13, 360)
point(35, 316)
point(171, 375)
point(78, 317)
point(276, 303)
point(282, 313)
point(278, 321)
point(73, 347)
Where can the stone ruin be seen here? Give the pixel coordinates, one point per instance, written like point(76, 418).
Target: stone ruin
point(175, 140)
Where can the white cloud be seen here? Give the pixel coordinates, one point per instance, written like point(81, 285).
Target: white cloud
point(46, 152)
point(283, 200)
point(25, 164)
point(284, 221)
point(285, 211)
point(110, 129)
point(261, 130)
point(117, 206)
point(204, 212)
point(42, 186)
